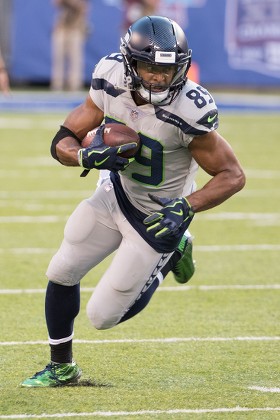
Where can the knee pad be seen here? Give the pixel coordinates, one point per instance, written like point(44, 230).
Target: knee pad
point(61, 273)
point(99, 319)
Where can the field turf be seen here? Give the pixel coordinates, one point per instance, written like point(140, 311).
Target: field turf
point(206, 350)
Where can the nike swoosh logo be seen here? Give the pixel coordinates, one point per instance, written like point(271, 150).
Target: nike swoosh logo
point(179, 213)
point(102, 161)
point(210, 119)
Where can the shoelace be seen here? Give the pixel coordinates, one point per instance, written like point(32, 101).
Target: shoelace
point(50, 368)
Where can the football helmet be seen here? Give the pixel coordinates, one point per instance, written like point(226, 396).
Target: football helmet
point(157, 41)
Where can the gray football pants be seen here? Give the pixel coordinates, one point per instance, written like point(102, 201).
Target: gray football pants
point(96, 228)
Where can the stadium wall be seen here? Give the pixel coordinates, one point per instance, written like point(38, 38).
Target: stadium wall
point(235, 42)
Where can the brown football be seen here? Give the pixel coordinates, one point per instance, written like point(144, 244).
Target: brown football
point(115, 135)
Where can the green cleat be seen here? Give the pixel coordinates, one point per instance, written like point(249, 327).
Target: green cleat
point(54, 374)
point(184, 268)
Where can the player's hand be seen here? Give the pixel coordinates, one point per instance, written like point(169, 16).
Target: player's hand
point(100, 156)
point(168, 220)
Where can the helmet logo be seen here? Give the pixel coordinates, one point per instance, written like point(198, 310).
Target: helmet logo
point(165, 57)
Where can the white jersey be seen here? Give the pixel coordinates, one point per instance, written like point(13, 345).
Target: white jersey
point(163, 165)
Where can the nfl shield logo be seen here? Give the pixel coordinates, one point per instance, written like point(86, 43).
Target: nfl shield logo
point(134, 114)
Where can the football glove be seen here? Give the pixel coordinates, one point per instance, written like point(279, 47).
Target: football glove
point(100, 156)
point(168, 220)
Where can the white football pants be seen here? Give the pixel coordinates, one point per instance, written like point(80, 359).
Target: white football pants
point(96, 228)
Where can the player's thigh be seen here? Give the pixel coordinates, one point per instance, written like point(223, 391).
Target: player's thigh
point(133, 268)
point(90, 235)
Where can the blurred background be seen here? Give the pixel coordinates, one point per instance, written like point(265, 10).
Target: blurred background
point(235, 43)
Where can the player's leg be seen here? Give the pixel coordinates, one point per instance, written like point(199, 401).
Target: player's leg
point(87, 241)
point(129, 282)
point(62, 305)
point(180, 263)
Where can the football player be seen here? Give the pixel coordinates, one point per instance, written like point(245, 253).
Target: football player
point(143, 210)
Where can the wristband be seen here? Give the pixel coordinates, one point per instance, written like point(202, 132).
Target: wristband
point(80, 158)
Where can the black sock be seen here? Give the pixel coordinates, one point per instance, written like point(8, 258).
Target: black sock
point(62, 305)
point(61, 353)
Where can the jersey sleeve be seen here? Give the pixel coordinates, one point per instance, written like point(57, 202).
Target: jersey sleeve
point(203, 115)
point(105, 79)
point(97, 81)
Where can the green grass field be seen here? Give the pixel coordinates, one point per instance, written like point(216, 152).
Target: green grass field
point(208, 350)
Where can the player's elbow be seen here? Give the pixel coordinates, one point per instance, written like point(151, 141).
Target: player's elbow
point(235, 180)
point(239, 179)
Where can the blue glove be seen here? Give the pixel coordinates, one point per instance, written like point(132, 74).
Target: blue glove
point(99, 156)
point(168, 220)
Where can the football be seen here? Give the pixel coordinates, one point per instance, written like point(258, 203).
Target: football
point(115, 135)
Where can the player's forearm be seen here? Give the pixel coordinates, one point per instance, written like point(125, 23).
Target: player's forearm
point(67, 151)
point(221, 187)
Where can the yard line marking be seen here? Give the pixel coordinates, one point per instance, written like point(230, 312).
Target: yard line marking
point(219, 287)
point(21, 291)
point(162, 288)
point(141, 412)
point(19, 123)
point(147, 340)
point(198, 248)
point(259, 193)
point(74, 194)
point(27, 250)
point(264, 389)
point(31, 219)
point(239, 216)
point(263, 173)
point(259, 217)
point(43, 195)
point(240, 247)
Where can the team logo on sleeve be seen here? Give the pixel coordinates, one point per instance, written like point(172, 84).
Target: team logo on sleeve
point(210, 120)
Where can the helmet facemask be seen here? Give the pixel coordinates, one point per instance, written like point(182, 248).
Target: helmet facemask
point(161, 94)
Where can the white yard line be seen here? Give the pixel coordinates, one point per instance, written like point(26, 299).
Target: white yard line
point(272, 217)
point(262, 173)
point(32, 219)
point(239, 247)
point(206, 288)
point(264, 389)
point(20, 196)
point(142, 412)
point(238, 216)
point(167, 340)
point(198, 248)
point(43, 195)
point(27, 250)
